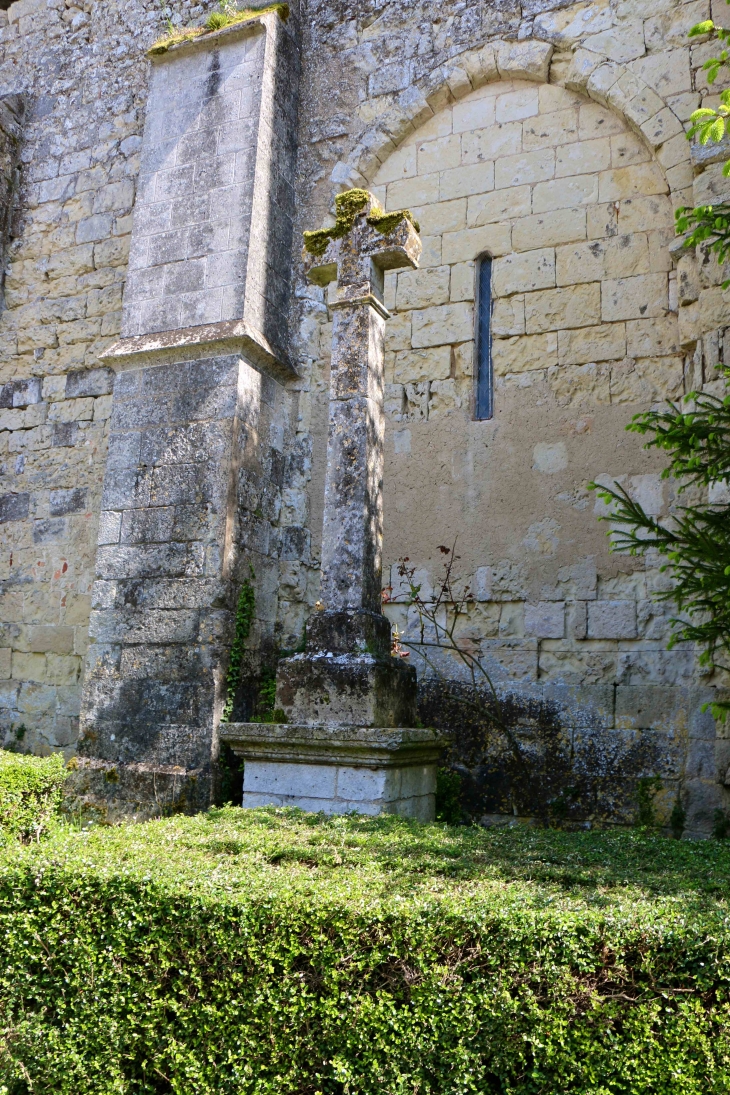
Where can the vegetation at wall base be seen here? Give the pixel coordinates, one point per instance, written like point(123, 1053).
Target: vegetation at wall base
point(274, 952)
point(245, 611)
point(30, 794)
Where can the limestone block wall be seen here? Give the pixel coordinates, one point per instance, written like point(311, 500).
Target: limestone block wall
point(574, 361)
point(552, 140)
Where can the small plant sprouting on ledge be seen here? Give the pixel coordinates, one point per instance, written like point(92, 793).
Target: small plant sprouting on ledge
point(244, 618)
point(227, 16)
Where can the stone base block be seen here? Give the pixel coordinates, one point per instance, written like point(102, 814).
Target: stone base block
point(338, 770)
point(349, 632)
point(110, 793)
point(346, 689)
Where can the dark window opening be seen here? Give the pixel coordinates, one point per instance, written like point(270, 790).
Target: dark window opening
point(485, 384)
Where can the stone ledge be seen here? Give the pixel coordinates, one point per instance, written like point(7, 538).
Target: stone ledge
point(212, 38)
point(203, 340)
point(368, 747)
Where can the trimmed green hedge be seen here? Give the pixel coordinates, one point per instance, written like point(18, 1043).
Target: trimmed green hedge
point(30, 794)
point(272, 953)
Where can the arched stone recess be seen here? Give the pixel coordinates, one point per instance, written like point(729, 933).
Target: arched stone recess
point(607, 82)
point(619, 87)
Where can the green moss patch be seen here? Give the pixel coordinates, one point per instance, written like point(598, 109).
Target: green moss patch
point(347, 206)
point(272, 952)
point(218, 20)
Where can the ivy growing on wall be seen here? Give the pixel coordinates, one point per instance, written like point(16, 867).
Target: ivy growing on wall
point(244, 618)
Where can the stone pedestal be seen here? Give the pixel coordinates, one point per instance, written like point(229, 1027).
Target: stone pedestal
point(338, 770)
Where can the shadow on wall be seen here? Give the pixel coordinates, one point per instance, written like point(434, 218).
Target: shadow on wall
point(533, 766)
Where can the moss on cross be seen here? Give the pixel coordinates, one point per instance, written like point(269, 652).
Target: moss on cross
point(347, 207)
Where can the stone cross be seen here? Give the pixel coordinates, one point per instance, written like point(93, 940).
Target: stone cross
point(349, 739)
point(366, 243)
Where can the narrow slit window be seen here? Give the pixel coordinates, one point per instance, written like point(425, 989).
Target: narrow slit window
point(484, 381)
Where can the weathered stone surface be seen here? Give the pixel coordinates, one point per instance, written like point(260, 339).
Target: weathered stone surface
point(436, 127)
point(162, 563)
point(353, 521)
point(348, 690)
point(368, 771)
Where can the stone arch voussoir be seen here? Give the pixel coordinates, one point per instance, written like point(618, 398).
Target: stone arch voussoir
point(608, 83)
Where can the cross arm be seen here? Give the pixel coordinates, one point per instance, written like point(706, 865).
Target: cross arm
point(362, 233)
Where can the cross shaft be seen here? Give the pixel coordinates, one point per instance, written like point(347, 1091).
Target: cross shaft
point(352, 534)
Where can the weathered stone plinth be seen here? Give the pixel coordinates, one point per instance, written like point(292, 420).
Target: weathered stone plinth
point(113, 792)
point(348, 689)
point(367, 770)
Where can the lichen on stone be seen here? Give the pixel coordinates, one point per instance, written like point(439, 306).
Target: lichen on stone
point(347, 206)
point(386, 222)
point(218, 20)
point(316, 242)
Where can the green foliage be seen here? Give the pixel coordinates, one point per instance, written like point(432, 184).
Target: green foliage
point(713, 65)
point(386, 222)
point(709, 222)
point(677, 819)
point(244, 618)
point(347, 206)
point(646, 789)
point(721, 825)
point(696, 542)
point(448, 796)
point(276, 953)
point(266, 709)
point(30, 794)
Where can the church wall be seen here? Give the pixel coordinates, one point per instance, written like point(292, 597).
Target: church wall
point(574, 210)
point(554, 612)
point(83, 72)
point(572, 190)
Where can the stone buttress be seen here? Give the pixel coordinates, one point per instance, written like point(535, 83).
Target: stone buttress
point(199, 417)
